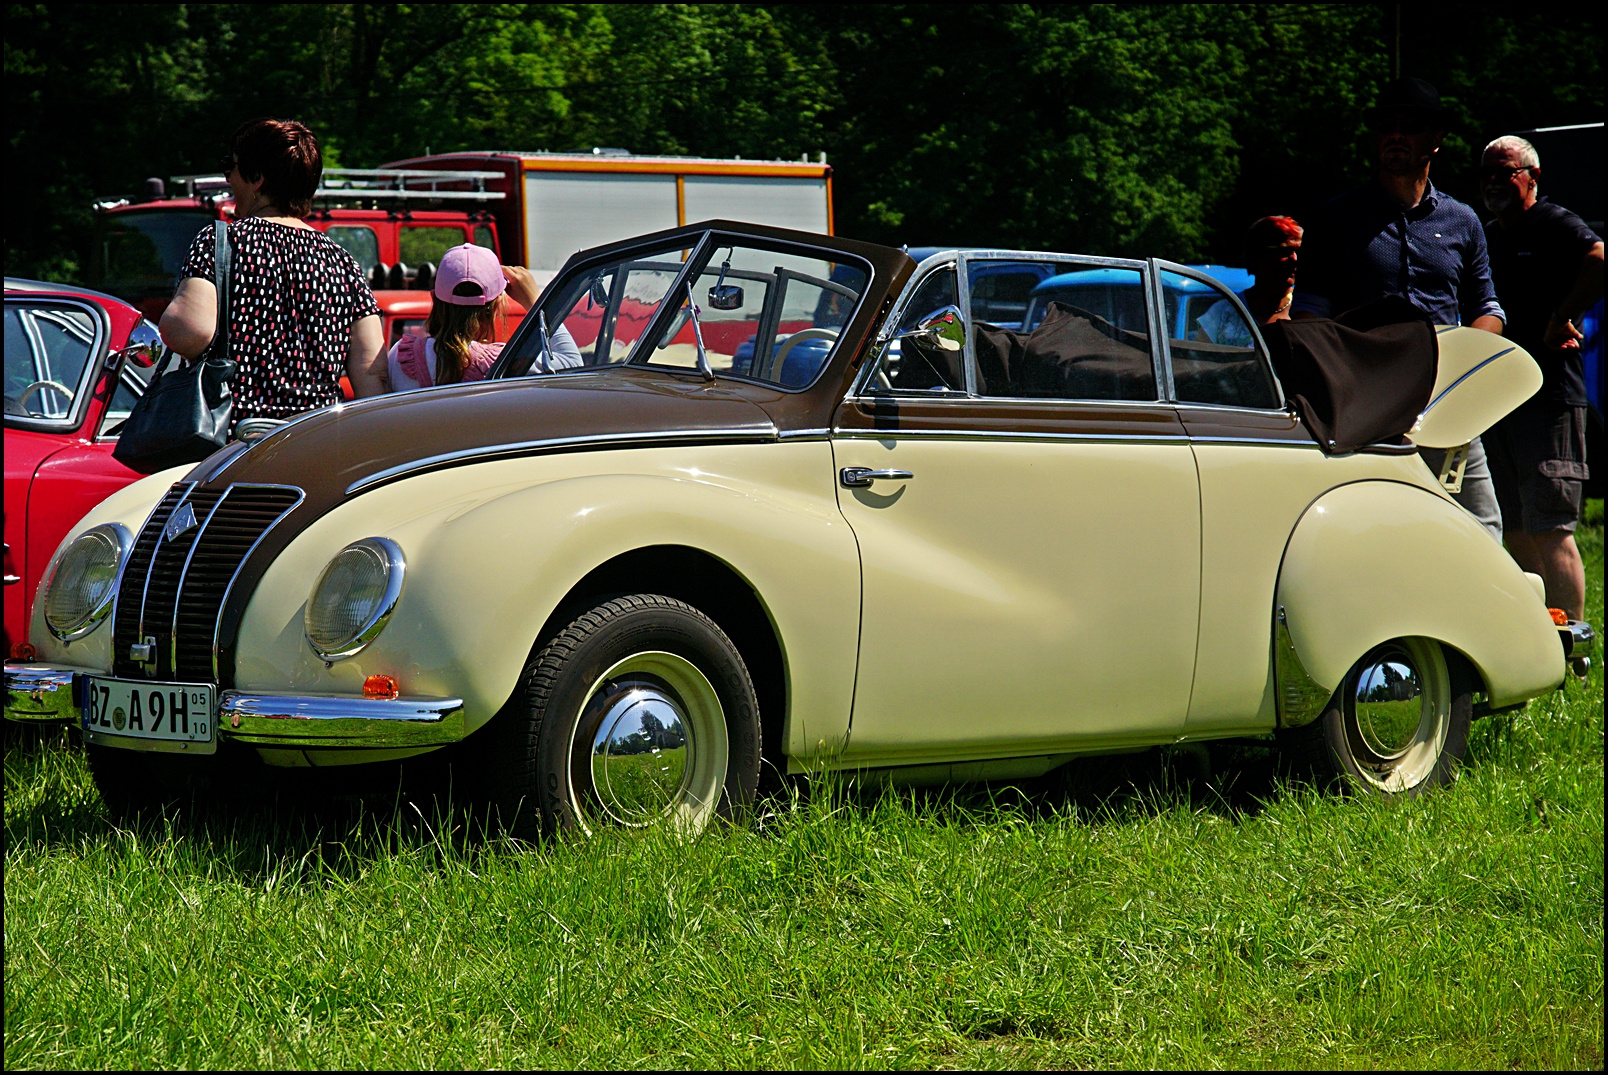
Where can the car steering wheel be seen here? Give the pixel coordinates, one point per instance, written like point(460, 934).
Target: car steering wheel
point(803, 334)
point(37, 386)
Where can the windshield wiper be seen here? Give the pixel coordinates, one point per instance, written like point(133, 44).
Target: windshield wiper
point(697, 332)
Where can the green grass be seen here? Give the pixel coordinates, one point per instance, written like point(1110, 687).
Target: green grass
point(1237, 923)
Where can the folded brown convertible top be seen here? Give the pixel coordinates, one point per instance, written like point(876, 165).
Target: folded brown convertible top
point(1361, 380)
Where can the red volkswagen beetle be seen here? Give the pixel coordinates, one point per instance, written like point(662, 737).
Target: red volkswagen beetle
point(76, 360)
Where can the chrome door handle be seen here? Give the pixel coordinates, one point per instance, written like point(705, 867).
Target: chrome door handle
point(861, 477)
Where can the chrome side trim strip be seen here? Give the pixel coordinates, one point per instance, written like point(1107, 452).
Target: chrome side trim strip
point(284, 720)
point(184, 572)
point(803, 434)
point(1447, 390)
point(40, 693)
point(1276, 442)
point(990, 434)
point(598, 441)
point(244, 560)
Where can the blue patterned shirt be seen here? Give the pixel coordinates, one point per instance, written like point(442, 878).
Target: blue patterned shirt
point(1365, 244)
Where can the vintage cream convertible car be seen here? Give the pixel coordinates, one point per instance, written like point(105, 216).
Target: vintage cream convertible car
point(798, 509)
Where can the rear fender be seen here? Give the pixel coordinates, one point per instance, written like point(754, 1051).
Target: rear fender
point(1376, 560)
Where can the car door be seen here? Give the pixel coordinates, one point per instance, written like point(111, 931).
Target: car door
point(1033, 583)
point(58, 440)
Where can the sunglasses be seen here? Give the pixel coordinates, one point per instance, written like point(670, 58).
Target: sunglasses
point(1401, 124)
point(226, 163)
point(1501, 172)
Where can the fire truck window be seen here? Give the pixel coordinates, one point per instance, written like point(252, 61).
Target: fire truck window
point(359, 242)
point(484, 237)
point(140, 251)
point(419, 243)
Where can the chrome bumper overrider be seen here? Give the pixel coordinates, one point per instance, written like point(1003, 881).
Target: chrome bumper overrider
point(37, 692)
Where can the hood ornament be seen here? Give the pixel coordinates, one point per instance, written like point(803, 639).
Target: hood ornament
point(182, 520)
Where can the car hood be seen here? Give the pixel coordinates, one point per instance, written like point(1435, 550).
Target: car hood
point(342, 451)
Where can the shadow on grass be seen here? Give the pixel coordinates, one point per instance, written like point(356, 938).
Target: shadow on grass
point(340, 820)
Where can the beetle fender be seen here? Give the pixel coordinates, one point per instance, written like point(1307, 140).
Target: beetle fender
point(1374, 560)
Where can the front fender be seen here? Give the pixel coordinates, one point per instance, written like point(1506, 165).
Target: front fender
point(1372, 561)
point(130, 506)
point(491, 550)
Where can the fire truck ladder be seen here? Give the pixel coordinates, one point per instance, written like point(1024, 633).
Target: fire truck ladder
point(375, 185)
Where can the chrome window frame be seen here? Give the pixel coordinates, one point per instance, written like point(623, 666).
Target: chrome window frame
point(1263, 354)
point(93, 365)
point(961, 259)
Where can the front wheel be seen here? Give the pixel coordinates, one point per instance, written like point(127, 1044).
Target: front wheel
point(1397, 726)
point(639, 714)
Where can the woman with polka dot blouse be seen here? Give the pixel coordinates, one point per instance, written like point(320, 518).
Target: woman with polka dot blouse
point(301, 313)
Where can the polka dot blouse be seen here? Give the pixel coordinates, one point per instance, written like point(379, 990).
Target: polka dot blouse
point(296, 296)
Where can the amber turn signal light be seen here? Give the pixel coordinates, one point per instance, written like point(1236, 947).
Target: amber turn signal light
point(381, 687)
point(1559, 617)
point(23, 651)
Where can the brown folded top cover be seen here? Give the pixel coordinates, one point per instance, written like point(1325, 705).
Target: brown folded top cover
point(1072, 354)
point(1362, 379)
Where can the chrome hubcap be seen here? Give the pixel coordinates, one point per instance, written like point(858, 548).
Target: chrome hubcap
point(639, 753)
point(649, 746)
point(1400, 703)
point(1390, 704)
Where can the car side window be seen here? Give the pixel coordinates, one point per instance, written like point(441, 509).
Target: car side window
point(1084, 335)
point(1214, 353)
point(907, 365)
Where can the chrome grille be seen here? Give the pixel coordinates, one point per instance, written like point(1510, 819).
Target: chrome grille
point(182, 582)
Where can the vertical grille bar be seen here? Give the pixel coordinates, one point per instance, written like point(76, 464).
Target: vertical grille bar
point(131, 586)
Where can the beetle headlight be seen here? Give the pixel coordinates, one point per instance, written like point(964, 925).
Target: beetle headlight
point(354, 597)
point(81, 588)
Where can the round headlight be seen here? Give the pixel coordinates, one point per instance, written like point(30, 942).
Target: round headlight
point(354, 597)
point(81, 588)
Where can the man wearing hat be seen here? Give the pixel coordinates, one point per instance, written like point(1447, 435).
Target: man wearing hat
point(1398, 235)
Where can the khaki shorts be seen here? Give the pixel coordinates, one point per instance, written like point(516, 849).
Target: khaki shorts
point(1538, 460)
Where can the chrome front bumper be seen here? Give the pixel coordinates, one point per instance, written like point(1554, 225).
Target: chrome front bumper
point(40, 693)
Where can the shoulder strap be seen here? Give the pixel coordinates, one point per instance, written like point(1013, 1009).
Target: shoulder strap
point(222, 279)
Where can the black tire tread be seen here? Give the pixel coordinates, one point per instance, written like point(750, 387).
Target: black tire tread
point(511, 750)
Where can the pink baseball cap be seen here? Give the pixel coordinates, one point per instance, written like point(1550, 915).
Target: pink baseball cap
point(472, 269)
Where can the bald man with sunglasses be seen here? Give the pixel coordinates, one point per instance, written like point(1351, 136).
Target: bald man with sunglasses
point(1398, 235)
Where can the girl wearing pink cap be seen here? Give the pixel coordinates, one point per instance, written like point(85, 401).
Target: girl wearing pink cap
point(468, 300)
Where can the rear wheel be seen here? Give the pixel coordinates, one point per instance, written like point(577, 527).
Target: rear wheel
point(639, 714)
point(1397, 726)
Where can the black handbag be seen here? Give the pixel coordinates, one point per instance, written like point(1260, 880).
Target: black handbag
point(185, 413)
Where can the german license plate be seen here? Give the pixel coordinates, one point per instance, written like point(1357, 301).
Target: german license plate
point(140, 709)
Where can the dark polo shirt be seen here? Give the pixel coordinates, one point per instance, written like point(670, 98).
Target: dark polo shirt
point(1365, 244)
point(1535, 264)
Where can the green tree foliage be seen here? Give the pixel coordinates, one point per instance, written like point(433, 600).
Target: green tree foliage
point(1132, 129)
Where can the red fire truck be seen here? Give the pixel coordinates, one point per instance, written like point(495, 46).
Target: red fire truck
point(391, 221)
point(535, 209)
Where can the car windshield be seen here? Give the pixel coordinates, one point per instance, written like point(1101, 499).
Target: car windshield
point(795, 303)
point(143, 251)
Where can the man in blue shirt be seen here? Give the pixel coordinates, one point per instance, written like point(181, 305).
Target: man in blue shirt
point(1398, 235)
